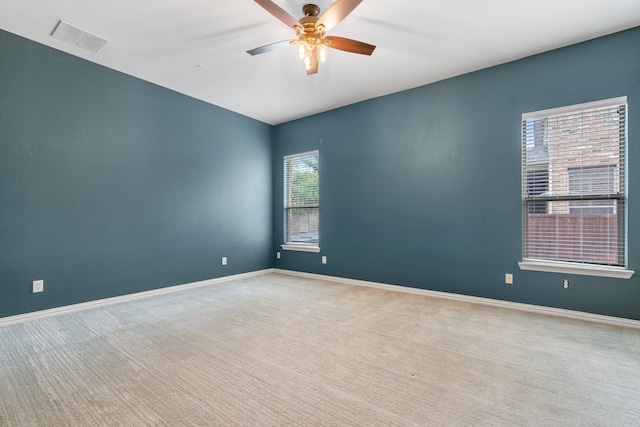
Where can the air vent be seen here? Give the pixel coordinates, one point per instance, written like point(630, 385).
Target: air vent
point(77, 37)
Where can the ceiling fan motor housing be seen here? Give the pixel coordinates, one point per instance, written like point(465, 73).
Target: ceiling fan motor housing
point(308, 21)
point(310, 34)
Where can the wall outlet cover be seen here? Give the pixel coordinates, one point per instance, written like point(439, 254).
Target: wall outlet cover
point(38, 286)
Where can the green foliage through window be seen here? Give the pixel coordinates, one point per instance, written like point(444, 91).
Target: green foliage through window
point(302, 198)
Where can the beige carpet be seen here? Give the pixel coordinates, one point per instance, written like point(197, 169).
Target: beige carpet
point(276, 350)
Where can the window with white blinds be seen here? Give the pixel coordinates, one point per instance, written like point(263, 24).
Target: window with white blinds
point(573, 184)
point(301, 201)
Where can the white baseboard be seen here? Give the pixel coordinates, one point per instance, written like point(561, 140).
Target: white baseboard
point(128, 297)
point(559, 312)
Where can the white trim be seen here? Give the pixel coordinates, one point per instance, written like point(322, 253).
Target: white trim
point(575, 268)
point(577, 107)
point(305, 154)
point(530, 308)
point(300, 247)
point(123, 298)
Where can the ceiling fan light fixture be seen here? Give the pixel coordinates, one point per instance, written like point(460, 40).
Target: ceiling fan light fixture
point(322, 52)
point(302, 49)
point(308, 45)
point(307, 62)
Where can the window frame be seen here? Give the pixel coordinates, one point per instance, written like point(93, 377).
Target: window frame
point(574, 267)
point(290, 245)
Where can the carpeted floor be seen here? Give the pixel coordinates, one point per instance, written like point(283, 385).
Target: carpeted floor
point(277, 350)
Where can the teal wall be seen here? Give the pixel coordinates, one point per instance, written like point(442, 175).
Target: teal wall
point(110, 185)
point(422, 188)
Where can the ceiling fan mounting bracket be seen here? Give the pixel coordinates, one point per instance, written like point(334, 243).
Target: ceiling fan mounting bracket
point(310, 10)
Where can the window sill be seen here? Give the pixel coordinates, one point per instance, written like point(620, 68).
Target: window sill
point(300, 247)
point(571, 268)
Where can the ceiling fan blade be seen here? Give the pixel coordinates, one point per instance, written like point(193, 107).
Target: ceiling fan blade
point(314, 63)
point(279, 13)
point(349, 45)
point(269, 47)
point(336, 13)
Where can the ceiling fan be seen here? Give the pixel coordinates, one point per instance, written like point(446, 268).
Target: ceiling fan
point(311, 39)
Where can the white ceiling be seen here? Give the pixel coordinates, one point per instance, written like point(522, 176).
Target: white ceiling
point(198, 47)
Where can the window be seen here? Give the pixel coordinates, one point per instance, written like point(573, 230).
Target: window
point(573, 189)
point(301, 202)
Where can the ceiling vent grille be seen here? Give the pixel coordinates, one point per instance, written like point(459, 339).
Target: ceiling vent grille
point(77, 37)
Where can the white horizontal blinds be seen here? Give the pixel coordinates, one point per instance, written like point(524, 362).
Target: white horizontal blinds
point(302, 201)
point(574, 183)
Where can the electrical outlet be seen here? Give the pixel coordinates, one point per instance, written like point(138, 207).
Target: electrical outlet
point(38, 286)
point(278, 255)
point(508, 279)
point(565, 284)
point(224, 260)
point(324, 259)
